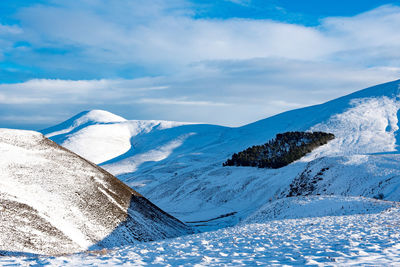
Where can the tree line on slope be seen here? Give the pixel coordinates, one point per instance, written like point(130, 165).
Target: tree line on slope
point(284, 149)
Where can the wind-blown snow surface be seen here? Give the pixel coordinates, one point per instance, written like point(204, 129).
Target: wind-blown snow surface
point(317, 206)
point(179, 167)
point(368, 235)
point(53, 202)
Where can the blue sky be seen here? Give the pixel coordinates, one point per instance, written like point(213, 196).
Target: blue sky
point(227, 62)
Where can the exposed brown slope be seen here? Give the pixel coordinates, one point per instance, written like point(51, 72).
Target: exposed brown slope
point(53, 201)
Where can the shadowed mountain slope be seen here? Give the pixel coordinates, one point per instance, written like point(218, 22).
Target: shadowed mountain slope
point(52, 201)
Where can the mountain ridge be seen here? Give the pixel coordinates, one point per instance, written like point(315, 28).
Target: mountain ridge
point(180, 168)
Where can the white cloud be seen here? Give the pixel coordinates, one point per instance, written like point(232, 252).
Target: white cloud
point(234, 93)
point(8, 35)
point(107, 36)
point(185, 102)
point(10, 29)
point(18, 99)
point(370, 39)
point(172, 40)
point(29, 119)
point(198, 69)
point(240, 2)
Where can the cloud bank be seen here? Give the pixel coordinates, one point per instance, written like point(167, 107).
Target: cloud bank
point(149, 60)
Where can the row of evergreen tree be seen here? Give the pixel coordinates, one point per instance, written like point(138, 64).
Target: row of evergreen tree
point(280, 151)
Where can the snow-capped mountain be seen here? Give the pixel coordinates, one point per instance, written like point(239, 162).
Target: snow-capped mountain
point(52, 201)
point(99, 135)
point(179, 166)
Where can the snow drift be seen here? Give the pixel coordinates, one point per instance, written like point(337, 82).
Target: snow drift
point(317, 206)
point(52, 202)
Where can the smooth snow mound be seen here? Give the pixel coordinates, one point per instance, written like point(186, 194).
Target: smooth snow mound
point(317, 206)
point(52, 201)
point(98, 115)
point(85, 117)
point(99, 136)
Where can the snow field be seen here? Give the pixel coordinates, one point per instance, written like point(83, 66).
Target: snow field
point(317, 206)
point(357, 239)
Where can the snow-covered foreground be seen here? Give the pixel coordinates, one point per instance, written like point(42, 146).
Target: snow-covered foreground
point(330, 240)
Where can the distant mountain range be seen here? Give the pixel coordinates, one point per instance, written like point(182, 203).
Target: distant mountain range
point(178, 166)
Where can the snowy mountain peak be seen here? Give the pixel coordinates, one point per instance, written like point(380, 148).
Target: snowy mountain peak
point(105, 134)
point(82, 119)
point(98, 115)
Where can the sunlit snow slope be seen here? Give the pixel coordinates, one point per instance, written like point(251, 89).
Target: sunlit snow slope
point(179, 167)
point(52, 202)
point(98, 135)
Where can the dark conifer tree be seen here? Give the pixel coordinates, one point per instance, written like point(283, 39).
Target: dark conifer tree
point(280, 151)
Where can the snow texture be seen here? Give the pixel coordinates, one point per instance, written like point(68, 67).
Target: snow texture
point(370, 239)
